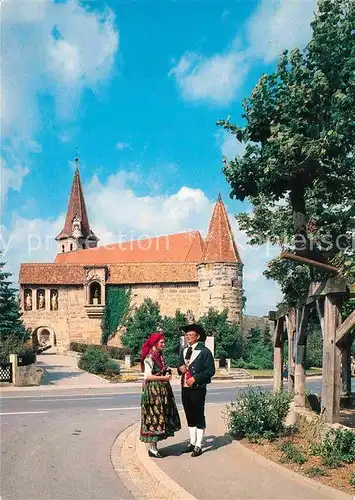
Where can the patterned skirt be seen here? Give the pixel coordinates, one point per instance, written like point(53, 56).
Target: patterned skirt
point(159, 415)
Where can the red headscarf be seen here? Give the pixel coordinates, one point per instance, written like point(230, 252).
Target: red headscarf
point(149, 344)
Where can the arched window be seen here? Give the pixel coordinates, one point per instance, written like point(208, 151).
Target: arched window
point(71, 246)
point(63, 248)
point(95, 293)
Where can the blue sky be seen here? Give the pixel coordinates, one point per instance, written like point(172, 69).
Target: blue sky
point(138, 88)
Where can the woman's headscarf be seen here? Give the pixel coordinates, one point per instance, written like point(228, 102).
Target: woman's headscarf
point(149, 344)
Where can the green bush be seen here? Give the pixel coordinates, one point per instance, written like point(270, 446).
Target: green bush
point(227, 335)
point(352, 478)
point(258, 350)
point(315, 471)
point(113, 352)
point(112, 368)
point(292, 454)
point(337, 447)
point(256, 414)
point(94, 360)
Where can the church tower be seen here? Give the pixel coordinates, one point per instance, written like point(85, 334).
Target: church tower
point(76, 234)
point(220, 273)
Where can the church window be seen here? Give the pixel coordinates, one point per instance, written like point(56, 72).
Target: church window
point(63, 248)
point(71, 246)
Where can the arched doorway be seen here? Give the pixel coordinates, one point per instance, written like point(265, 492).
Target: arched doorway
point(44, 336)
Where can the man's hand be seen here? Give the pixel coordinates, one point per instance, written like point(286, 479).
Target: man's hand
point(183, 369)
point(190, 381)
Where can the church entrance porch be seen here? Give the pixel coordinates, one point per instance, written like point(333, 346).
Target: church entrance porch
point(44, 336)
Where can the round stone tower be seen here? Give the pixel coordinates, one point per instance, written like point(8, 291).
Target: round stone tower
point(220, 273)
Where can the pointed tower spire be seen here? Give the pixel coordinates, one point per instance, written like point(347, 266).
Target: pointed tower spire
point(219, 245)
point(76, 233)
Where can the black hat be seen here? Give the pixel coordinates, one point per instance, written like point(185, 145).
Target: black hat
point(195, 328)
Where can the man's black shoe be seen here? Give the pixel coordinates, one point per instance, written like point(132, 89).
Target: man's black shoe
point(189, 448)
point(197, 452)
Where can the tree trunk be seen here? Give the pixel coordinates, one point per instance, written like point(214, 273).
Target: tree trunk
point(297, 197)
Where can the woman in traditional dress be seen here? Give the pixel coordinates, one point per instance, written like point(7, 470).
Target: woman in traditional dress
point(159, 415)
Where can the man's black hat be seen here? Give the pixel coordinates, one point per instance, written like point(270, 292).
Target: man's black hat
point(194, 327)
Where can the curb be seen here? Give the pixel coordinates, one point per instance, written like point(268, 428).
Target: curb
point(138, 472)
point(336, 494)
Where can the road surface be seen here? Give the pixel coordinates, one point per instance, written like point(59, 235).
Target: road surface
point(55, 445)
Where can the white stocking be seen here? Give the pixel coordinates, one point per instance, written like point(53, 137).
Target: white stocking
point(199, 436)
point(153, 446)
point(192, 431)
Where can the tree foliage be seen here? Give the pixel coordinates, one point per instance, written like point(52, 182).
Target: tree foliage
point(13, 333)
point(228, 337)
point(140, 324)
point(116, 309)
point(298, 168)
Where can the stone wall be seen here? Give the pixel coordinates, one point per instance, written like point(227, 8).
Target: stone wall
point(73, 321)
point(170, 297)
point(70, 322)
point(220, 287)
point(250, 322)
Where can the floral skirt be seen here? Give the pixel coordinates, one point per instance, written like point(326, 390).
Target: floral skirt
point(159, 415)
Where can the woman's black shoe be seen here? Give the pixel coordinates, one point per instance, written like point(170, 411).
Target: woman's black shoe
point(197, 451)
point(189, 448)
point(156, 454)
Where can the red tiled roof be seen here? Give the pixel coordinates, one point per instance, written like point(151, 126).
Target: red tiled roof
point(219, 245)
point(51, 274)
point(76, 206)
point(134, 273)
point(181, 247)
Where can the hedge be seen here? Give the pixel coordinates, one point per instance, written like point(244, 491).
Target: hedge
point(114, 352)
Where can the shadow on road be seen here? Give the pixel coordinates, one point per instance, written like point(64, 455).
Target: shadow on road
point(210, 443)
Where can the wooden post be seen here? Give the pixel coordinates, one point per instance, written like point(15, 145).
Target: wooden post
point(278, 368)
point(331, 360)
point(290, 321)
point(301, 341)
point(278, 375)
point(300, 377)
point(346, 370)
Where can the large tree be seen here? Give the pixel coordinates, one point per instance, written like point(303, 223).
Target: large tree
point(298, 169)
point(13, 333)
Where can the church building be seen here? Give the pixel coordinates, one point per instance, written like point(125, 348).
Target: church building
point(64, 301)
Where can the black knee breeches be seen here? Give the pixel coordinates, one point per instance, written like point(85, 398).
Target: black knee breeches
point(193, 401)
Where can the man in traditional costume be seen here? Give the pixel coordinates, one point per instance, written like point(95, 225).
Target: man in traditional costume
point(196, 367)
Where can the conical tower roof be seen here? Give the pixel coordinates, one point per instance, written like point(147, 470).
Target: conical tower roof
point(219, 245)
point(76, 208)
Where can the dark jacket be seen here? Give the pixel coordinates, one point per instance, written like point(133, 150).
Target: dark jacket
point(201, 365)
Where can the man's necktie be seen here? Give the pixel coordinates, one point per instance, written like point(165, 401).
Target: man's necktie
point(188, 353)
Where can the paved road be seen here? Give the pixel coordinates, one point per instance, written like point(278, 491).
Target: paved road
point(56, 444)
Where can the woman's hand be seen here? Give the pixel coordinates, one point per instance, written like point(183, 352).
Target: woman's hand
point(166, 378)
point(182, 369)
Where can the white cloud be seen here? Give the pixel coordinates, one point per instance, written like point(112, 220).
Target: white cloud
point(229, 145)
point(278, 25)
point(216, 78)
point(121, 145)
point(50, 48)
point(136, 216)
point(10, 178)
point(274, 26)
